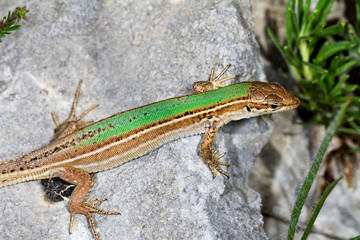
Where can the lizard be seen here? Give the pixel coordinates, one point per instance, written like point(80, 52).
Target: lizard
point(82, 148)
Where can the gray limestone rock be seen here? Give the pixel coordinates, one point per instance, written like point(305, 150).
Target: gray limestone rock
point(130, 53)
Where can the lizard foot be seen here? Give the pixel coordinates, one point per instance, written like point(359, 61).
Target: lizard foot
point(71, 124)
point(214, 164)
point(212, 83)
point(87, 209)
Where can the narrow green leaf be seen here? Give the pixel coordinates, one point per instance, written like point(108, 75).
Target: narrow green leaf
point(355, 126)
point(323, 7)
point(334, 64)
point(13, 28)
point(289, 23)
point(305, 188)
point(291, 59)
point(349, 131)
point(318, 208)
point(295, 25)
point(346, 67)
point(351, 34)
point(321, 83)
point(293, 4)
point(316, 68)
point(276, 42)
point(345, 98)
point(329, 49)
point(311, 19)
point(336, 89)
point(349, 88)
point(312, 44)
point(329, 82)
point(321, 32)
point(316, 18)
point(300, 11)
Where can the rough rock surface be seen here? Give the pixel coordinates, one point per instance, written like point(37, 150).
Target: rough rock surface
point(130, 53)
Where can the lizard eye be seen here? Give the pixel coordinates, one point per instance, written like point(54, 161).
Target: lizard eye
point(274, 106)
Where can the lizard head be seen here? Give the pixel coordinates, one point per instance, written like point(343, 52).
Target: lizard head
point(270, 97)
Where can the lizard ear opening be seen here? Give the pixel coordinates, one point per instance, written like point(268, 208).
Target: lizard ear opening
point(248, 108)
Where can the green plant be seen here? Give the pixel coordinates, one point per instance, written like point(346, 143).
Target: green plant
point(9, 23)
point(305, 188)
point(319, 58)
point(318, 207)
point(318, 61)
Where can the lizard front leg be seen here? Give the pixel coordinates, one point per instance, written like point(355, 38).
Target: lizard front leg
point(71, 124)
point(207, 154)
point(205, 148)
point(212, 83)
point(54, 188)
point(84, 184)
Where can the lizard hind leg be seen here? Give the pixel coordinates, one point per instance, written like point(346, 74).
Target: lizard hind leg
point(77, 204)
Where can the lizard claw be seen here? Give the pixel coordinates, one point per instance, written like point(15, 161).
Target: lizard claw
point(212, 83)
point(87, 209)
point(71, 124)
point(213, 164)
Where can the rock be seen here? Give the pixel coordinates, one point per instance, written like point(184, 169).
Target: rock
point(131, 53)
